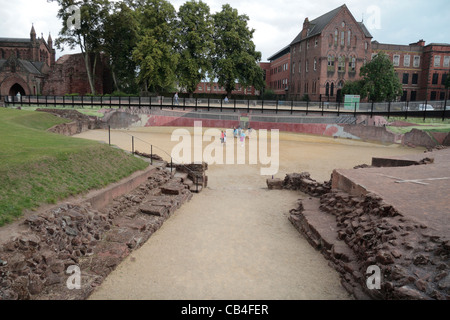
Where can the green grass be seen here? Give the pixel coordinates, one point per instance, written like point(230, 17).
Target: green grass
point(38, 167)
point(427, 125)
point(94, 111)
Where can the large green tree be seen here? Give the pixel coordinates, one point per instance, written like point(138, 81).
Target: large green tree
point(83, 27)
point(195, 44)
point(121, 35)
point(235, 58)
point(155, 53)
point(380, 83)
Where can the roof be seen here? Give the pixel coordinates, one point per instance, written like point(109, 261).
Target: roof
point(28, 66)
point(317, 25)
point(15, 40)
point(280, 53)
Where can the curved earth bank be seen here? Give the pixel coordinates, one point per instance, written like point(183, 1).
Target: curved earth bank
point(233, 240)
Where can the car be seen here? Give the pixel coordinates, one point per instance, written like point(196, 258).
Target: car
point(427, 107)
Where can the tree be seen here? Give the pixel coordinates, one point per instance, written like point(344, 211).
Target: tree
point(354, 88)
point(235, 58)
point(88, 34)
point(195, 44)
point(121, 36)
point(380, 81)
point(154, 53)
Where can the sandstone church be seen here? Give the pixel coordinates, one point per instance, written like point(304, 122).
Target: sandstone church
point(28, 67)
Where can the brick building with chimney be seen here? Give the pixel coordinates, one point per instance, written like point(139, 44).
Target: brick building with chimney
point(331, 49)
point(328, 51)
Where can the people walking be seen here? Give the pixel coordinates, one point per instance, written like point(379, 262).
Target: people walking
point(176, 98)
point(242, 137)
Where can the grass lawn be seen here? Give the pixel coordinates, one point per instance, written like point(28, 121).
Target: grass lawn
point(39, 167)
point(427, 125)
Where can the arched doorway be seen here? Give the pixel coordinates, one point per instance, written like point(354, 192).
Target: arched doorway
point(16, 88)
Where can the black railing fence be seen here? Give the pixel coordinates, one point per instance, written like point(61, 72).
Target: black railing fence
point(425, 109)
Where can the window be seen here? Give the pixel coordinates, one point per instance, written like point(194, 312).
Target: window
point(433, 95)
point(341, 64)
point(336, 37)
point(405, 78)
point(306, 66)
point(315, 64)
point(406, 60)
point(435, 78)
point(293, 49)
point(332, 89)
point(416, 63)
point(293, 67)
point(352, 64)
point(366, 45)
point(446, 62)
point(300, 67)
point(316, 42)
point(415, 78)
point(342, 38)
point(396, 60)
point(444, 78)
point(330, 64)
point(307, 44)
point(437, 61)
point(349, 38)
point(327, 89)
point(413, 95)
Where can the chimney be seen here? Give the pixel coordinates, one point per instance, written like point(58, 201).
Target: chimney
point(306, 25)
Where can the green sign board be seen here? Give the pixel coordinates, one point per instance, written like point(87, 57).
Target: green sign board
point(350, 102)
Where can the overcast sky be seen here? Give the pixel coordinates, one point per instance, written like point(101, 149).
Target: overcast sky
point(276, 22)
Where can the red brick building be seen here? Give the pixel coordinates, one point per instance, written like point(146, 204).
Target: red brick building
point(331, 49)
point(422, 69)
point(278, 72)
point(328, 51)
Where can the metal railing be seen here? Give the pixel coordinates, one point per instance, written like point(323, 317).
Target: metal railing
point(425, 109)
point(194, 174)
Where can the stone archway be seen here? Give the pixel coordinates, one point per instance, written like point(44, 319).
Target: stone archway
point(16, 88)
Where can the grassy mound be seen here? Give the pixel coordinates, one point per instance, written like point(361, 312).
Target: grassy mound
point(38, 167)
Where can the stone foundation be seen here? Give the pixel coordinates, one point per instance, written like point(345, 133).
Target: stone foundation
point(38, 262)
point(357, 231)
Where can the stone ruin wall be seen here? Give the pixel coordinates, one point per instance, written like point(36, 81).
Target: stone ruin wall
point(414, 262)
point(34, 262)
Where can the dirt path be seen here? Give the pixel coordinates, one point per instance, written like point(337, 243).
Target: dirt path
point(233, 240)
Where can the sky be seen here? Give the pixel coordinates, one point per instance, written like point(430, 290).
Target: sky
point(276, 22)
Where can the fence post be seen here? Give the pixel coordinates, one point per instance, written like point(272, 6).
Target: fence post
point(389, 109)
point(307, 106)
point(322, 104)
point(109, 134)
point(355, 109)
point(371, 110)
point(196, 105)
point(276, 107)
point(171, 164)
point(221, 104)
point(339, 109)
point(234, 108)
point(445, 108)
point(151, 154)
point(262, 106)
point(132, 144)
point(46, 103)
point(292, 106)
point(208, 103)
point(425, 110)
point(248, 105)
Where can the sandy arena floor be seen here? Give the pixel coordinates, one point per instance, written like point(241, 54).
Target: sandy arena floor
point(233, 241)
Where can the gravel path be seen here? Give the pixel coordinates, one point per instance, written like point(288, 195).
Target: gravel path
point(233, 240)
